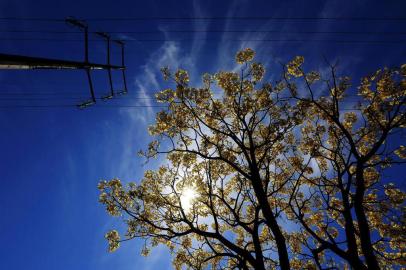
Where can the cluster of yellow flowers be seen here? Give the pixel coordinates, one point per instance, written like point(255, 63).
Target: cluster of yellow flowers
point(114, 240)
point(229, 81)
point(293, 67)
point(257, 71)
point(395, 195)
point(312, 77)
point(401, 152)
point(349, 119)
point(244, 56)
point(181, 76)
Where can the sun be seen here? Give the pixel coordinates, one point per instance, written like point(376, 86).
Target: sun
point(187, 197)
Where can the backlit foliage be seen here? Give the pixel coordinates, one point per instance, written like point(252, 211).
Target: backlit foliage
point(265, 176)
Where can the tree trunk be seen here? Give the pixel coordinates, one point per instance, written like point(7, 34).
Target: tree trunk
point(364, 231)
point(271, 222)
point(354, 259)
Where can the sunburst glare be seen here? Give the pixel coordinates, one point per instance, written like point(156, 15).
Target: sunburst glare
point(187, 198)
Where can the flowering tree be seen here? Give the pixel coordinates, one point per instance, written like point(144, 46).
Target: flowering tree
point(350, 149)
point(262, 176)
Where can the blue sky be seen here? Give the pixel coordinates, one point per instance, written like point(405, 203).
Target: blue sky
point(52, 158)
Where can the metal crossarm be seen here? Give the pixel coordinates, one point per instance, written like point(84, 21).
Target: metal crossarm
point(125, 90)
point(107, 38)
point(13, 61)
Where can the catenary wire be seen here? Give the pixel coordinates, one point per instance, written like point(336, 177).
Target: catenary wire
point(73, 105)
point(209, 18)
point(99, 106)
point(214, 31)
point(218, 40)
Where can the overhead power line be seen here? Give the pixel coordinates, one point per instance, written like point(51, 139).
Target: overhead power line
point(73, 106)
point(65, 94)
point(151, 99)
point(217, 31)
point(218, 40)
point(10, 97)
point(58, 98)
point(210, 18)
point(100, 106)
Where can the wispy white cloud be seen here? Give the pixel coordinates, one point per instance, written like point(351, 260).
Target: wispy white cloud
point(145, 84)
point(157, 259)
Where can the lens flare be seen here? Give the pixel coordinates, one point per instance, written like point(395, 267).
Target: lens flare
point(187, 197)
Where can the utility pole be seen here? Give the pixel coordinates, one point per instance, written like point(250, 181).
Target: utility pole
point(21, 62)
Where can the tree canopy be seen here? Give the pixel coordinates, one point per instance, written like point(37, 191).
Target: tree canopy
point(287, 174)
